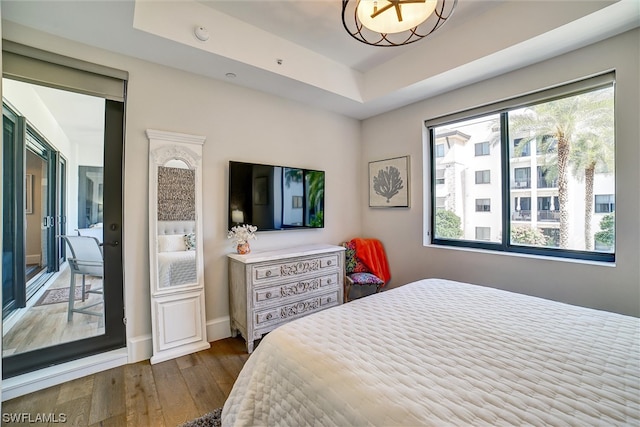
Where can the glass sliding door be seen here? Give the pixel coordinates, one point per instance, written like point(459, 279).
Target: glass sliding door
point(61, 208)
point(40, 220)
point(70, 185)
point(13, 294)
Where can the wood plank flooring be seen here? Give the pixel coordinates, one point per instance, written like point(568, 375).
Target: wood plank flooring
point(47, 325)
point(165, 394)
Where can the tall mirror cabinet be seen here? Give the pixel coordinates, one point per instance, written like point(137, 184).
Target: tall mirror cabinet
point(175, 244)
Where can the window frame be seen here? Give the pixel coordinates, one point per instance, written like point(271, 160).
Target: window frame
point(611, 204)
point(482, 174)
point(484, 203)
point(482, 228)
point(503, 108)
point(482, 152)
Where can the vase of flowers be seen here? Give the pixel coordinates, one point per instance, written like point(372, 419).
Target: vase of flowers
point(241, 234)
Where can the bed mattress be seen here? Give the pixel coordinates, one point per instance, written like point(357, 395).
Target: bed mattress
point(439, 353)
point(176, 268)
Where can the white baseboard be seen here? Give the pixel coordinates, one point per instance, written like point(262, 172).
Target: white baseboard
point(141, 347)
point(138, 349)
point(218, 329)
point(54, 375)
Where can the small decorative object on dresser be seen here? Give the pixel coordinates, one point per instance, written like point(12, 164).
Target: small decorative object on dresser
point(241, 234)
point(268, 289)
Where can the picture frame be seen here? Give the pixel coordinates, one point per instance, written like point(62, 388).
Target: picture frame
point(389, 183)
point(28, 199)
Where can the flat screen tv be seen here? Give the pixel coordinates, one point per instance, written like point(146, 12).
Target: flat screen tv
point(275, 197)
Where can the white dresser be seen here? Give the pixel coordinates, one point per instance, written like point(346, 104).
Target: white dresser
point(270, 288)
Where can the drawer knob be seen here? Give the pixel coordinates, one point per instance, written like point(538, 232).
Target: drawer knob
point(329, 262)
point(269, 316)
point(268, 273)
point(268, 295)
point(328, 281)
point(328, 299)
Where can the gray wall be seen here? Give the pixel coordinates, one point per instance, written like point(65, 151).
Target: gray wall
point(246, 125)
point(397, 133)
point(240, 124)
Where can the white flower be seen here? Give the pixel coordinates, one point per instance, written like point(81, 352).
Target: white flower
point(242, 233)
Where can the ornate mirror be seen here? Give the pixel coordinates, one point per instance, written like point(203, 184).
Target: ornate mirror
point(175, 244)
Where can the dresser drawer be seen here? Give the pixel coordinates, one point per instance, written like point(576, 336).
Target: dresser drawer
point(268, 289)
point(295, 268)
point(296, 309)
point(294, 289)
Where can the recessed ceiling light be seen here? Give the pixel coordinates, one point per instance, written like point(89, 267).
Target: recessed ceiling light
point(231, 75)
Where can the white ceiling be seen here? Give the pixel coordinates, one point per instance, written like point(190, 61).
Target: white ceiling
point(320, 63)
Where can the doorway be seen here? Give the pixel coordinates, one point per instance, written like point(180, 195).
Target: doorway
point(43, 188)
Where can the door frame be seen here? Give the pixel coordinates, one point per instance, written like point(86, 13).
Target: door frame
point(17, 222)
point(115, 333)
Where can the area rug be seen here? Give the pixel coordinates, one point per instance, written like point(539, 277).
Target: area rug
point(212, 419)
point(55, 296)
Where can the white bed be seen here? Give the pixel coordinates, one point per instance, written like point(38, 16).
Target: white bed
point(437, 353)
point(176, 258)
point(176, 268)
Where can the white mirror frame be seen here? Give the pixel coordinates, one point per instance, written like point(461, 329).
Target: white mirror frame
point(178, 320)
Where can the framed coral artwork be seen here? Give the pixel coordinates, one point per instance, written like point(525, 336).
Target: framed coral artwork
point(389, 183)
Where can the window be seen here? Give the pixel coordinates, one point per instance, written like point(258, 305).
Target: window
point(521, 148)
point(483, 233)
point(439, 150)
point(296, 202)
point(482, 149)
point(566, 127)
point(522, 209)
point(547, 177)
point(548, 208)
point(439, 176)
point(440, 202)
point(605, 203)
point(483, 205)
point(460, 220)
point(483, 177)
point(522, 177)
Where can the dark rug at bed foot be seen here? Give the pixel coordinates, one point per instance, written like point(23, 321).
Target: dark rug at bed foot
point(212, 419)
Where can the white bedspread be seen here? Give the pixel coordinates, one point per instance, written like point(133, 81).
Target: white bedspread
point(440, 353)
point(176, 268)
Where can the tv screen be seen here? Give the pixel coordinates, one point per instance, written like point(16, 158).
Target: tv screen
point(275, 197)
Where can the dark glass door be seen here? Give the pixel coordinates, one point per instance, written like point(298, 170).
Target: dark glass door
point(52, 193)
point(40, 212)
point(13, 292)
point(61, 208)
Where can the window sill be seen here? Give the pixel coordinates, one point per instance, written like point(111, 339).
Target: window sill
point(519, 255)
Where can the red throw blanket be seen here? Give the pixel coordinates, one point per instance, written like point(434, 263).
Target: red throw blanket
point(371, 253)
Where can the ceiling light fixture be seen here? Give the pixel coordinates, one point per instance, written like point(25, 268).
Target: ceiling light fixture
point(394, 22)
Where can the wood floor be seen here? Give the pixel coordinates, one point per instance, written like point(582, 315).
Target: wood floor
point(165, 394)
point(47, 325)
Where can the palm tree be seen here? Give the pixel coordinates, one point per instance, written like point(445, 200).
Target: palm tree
point(315, 185)
point(558, 126)
point(589, 152)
